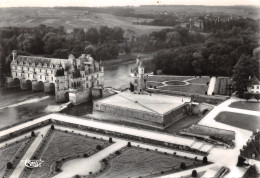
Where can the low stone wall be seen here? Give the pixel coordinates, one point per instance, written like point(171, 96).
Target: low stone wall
point(197, 98)
point(210, 99)
point(210, 131)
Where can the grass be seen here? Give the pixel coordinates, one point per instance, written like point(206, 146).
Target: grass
point(137, 162)
point(202, 80)
point(162, 78)
point(254, 106)
point(243, 121)
point(192, 88)
point(175, 83)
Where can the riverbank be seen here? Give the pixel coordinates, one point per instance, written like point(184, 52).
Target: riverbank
point(127, 58)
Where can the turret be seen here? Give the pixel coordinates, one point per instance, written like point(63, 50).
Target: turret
point(14, 54)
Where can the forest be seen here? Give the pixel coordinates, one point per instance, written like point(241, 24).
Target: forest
point(103, 43)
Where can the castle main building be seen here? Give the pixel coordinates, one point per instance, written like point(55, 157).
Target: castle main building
point(74, 79)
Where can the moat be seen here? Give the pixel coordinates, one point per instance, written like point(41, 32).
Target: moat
point(20, 105)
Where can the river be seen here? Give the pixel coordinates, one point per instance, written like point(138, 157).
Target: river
point(21, 105)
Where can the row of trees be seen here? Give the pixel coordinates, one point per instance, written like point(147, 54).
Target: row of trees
point(104, 43)
point(210, 25)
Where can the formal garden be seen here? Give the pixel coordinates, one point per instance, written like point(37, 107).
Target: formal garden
point(243, 121)
point(139, 162)
point(11, 155)
point(186, 84)
point(58, 147)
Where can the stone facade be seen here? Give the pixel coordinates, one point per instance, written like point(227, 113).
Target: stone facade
point(70, 79)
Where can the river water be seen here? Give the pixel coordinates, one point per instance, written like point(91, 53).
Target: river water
point(20, 105)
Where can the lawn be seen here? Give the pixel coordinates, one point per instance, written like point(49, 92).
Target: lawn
point(162, 78)
point(62, 146)
point(202, 80)
point(254, 106)
point(243, 121)
point(138, 162)
point(192, 88)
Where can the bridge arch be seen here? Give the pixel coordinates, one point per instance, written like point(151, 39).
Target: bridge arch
point(40, 86)
point(52, 88)
point(28, 84)
point(16, 82)
point(205, 111)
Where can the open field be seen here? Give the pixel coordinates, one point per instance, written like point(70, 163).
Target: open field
point(62, 146)
point(254, 106)
point(243, 121)
point(70, 18)
point(137, 162)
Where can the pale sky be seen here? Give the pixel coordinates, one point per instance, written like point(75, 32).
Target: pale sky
point(99, 3)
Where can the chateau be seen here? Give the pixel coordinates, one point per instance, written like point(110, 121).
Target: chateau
point(74, 79)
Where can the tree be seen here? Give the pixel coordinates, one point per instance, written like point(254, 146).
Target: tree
point(194, 173)
point(110, 140)
point(52, 127)
point(205, 160)
point(98, 147)
point(32, 134)
point(9, 165)
point(257, 96)
point(129, 144)
point(247, 95)
point(183, 165)
point(244, 68)
point(240, 161)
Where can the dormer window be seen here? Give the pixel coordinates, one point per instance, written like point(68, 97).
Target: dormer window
point(45, 65)
point(40, 65)
point(15, 62)
point(27, 63)
point(21, 63)
point(51, 65)
point(33, 64)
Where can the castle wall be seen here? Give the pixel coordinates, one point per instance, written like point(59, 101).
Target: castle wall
point(174, 115)
point(127, 112)
point(96, 93)
point(61, 96)
point(77, 98)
